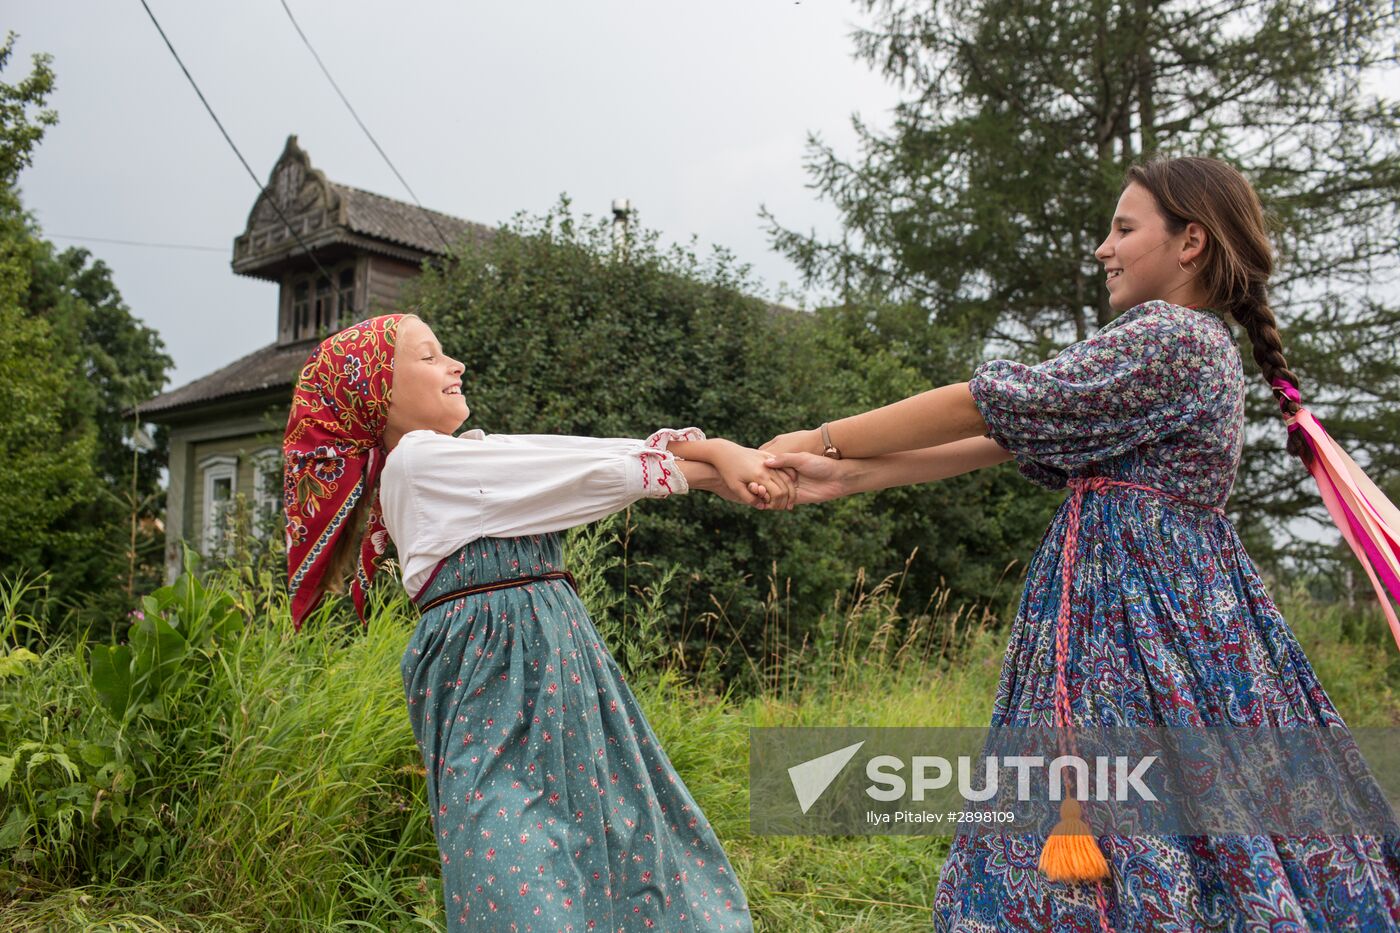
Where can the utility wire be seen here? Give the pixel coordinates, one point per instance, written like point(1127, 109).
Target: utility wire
point(229, 139)
point(380, 149)
point(102, 239)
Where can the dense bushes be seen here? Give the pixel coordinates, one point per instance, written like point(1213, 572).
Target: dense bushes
point(563, 333)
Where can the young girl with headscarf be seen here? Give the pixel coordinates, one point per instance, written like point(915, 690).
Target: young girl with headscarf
point(553, 805)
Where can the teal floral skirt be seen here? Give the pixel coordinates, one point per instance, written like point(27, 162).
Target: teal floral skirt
point(555, 809)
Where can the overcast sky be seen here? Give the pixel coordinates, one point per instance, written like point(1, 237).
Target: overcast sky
point(696, 112)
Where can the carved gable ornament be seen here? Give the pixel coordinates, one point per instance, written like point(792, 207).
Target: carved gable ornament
point(310, 204)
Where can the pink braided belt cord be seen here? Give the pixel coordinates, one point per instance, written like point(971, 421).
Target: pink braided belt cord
point(1080, 485)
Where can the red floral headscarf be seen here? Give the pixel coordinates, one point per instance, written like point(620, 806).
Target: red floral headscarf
point(332, 456)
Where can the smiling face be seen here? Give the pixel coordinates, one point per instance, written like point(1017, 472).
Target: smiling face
point(1144, 260)
point(427, 391)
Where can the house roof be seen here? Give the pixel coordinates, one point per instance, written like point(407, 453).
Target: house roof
point(300, 210)
point(383, 218)
point(271, 367)
point(327, 216)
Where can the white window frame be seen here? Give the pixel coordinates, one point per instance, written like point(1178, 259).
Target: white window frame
point(267, 496)
point(216, 467)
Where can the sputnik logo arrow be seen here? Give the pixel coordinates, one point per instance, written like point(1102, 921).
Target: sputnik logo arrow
point(810, 779)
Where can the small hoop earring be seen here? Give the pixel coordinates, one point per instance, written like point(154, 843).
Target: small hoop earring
point(1191, 271)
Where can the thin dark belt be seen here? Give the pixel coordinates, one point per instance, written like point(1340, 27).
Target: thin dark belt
point(498, 585)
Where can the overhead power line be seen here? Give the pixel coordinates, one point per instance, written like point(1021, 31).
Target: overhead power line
point(103, 239)
point(378, 148)
point(229, 140)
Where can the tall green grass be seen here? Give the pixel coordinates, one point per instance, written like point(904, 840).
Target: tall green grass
point(279, 788)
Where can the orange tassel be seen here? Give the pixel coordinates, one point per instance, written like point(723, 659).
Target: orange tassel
point(1071, 853)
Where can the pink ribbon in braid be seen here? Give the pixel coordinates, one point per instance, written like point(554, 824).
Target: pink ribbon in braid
point(1368, 521)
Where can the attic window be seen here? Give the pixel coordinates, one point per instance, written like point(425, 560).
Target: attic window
point(345, 307)
point(322, 304)
point(300, 307)
point(325, 310)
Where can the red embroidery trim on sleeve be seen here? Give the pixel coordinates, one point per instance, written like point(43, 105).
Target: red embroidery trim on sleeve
point(656, 445)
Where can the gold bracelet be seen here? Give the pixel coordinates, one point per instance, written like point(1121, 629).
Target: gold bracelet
point(830, 450)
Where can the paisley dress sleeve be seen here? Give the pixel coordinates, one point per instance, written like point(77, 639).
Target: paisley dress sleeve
point(1125, 387)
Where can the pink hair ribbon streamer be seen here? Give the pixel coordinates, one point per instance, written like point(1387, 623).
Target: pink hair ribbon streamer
point(1368, 521)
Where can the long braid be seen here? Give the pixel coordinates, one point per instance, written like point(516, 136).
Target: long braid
point(1253, 313)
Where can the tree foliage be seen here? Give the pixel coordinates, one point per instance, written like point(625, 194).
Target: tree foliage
point(977, 211)
point(561, 332)
point(72, 359)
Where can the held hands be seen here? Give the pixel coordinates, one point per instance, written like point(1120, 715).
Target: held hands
point(780, 475)
point(744, 477)
point(817, 478)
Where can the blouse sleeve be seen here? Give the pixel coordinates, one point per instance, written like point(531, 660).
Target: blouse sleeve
point(1124, 387)
point(468, 487)
point(568, 441)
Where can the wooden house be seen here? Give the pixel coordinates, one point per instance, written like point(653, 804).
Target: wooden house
point(226, 428)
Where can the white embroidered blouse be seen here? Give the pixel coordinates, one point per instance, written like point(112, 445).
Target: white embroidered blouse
point(439, 492)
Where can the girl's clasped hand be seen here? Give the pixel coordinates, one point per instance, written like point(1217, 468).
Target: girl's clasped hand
point(771, 478)
point(737, 473)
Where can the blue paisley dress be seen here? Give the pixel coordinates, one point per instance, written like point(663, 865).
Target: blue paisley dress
point(1171, 625)
point(554, 807)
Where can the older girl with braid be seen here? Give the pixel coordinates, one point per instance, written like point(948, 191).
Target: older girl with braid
point(1141, 606)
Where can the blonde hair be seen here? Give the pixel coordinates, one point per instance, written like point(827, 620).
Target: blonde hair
point(345, 552)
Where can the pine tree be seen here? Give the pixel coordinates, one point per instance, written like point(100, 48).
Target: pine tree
point(974, 216)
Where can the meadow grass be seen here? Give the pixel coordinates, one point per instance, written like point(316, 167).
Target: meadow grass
point(280, 788)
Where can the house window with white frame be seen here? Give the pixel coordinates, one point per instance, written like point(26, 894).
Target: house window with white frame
point(220, 486)
point(267, 491)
